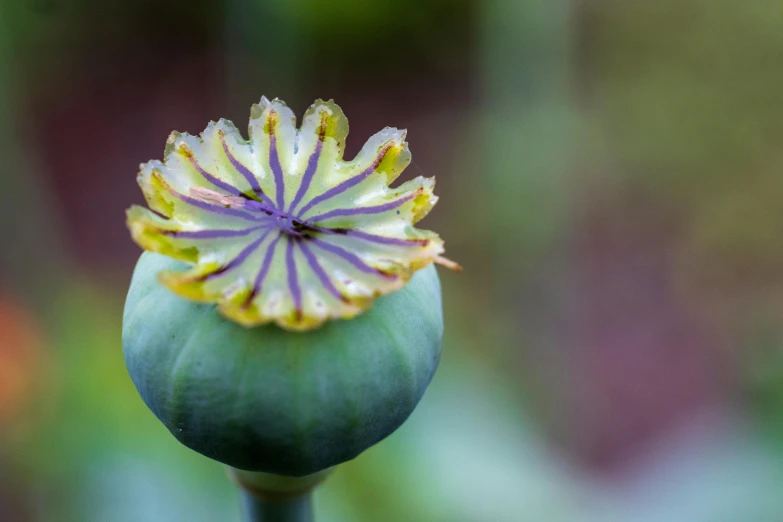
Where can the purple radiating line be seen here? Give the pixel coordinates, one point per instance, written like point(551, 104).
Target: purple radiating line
point(293, 280)
point(272, 211)
point(231, 189)
point(383, 240)
point(210, 207)
point(210, 234)
point(307, 177)
point(370, 237)
point(376, 209)
point(319, 271)
point(277, 170)
point(265, 265)
point(236, 192)
point(351, 258)
point(246, 173)
point(345, 185)
point(239, 259)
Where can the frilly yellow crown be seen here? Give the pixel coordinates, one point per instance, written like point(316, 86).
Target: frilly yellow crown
point(281, 228)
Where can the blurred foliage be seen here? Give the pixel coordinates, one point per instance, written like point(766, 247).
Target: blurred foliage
point(762, 377)
point(685, 97)
point(17, 176)
point(688, 96)
point(52, 39)
point(390, 34)
point(524, 132)
point(688, 90)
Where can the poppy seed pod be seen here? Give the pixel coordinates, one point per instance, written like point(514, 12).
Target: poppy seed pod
point(267, 399)
point(286, 315)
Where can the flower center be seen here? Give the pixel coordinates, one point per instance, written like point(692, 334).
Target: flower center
point(292, 226)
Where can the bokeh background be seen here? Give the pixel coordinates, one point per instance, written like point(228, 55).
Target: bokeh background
point(611, 178)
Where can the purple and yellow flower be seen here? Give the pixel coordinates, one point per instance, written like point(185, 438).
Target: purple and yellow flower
point(281, 228)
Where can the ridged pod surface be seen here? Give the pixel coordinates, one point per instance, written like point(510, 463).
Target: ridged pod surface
point(266, 399)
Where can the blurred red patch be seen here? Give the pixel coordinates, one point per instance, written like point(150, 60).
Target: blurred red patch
point(21, 349)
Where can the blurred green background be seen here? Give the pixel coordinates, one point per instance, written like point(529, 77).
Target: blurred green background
point(611, 179)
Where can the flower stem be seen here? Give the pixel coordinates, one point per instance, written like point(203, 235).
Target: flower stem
point(276, 498)
point(292, 509)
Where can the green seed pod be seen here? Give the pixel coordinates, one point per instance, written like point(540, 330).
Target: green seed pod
point(305, 322)
point(267, 399)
